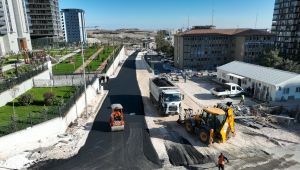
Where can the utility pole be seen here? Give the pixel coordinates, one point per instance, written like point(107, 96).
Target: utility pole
point(84, 80)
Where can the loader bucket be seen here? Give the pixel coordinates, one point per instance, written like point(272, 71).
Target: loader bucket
point(117, 128)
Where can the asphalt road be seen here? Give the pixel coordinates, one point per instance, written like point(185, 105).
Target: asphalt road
point(130, 149)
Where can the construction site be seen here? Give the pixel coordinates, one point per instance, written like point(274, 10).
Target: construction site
point(261, 136)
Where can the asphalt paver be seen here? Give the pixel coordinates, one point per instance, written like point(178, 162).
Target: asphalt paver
point(128, 149)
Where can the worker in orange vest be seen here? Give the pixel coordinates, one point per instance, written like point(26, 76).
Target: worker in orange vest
point(221, 161)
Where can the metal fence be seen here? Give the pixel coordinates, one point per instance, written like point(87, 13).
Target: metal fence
point(10, 83)
point(34, 118)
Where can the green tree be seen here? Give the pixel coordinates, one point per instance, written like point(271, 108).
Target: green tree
point(289, 65)
point(269, 58)
point(162, 44)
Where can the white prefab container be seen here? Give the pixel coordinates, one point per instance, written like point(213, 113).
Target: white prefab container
point(165, 95)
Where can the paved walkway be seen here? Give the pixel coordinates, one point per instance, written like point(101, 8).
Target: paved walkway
point(87, 62)
point(11, 66)
point(68, 55)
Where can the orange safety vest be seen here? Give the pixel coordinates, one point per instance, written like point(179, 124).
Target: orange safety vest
point(221, 160)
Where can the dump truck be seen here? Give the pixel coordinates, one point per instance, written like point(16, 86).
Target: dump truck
point(229, 89)
point(211, 125)
point(165, 96)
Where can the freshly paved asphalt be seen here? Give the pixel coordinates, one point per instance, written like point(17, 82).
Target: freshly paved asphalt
point(130, 149)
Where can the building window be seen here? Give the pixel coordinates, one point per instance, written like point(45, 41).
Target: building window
point(297, 89)
point(244, 81)
point(286, 90)
point(249, 80)
point(231, 78)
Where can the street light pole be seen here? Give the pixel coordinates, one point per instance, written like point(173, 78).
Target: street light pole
point(113, 56)
point(84, 80)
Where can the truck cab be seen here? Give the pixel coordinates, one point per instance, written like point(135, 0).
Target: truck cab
point(171, 101)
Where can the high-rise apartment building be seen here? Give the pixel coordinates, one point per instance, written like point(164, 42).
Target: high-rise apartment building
point(45, 19)
point(73, 25)
point(286, 20)
point(14, 27)
point(205, 48)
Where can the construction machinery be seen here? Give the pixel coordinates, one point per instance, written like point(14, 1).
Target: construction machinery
point(211, 125)
point(117, 122)
point(165, 95)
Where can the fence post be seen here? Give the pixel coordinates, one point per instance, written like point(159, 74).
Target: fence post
point(45, 113)
point(14, 122)
point(30, 118)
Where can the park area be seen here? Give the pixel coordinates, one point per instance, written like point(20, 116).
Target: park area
point(33, 107)
point(72, 64)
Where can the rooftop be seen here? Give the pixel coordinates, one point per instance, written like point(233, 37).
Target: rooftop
point(237, 32)
point(264, 74)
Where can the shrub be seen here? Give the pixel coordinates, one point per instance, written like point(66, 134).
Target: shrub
point(59, 101)
point(49, 98)
point(25, 99)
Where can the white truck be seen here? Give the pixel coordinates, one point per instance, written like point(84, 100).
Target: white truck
point(165, 95)
point(229, 89)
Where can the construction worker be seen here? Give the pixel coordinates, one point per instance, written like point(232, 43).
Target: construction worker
point(221, 161)
point(242, 99)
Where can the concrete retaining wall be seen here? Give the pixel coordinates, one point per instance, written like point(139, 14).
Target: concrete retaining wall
point(26, 139)
point(64, 80)
point(7, 96)
point(120, 58)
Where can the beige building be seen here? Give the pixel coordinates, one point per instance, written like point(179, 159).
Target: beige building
point(205, 48)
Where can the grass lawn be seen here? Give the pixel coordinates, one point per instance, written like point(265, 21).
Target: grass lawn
point(71, 64)
point(35, 108)
point(94, 65)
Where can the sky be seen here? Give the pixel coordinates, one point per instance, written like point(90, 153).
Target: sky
point(174, 14)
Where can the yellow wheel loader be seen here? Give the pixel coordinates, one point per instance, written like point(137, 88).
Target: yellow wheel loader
point(211, 125)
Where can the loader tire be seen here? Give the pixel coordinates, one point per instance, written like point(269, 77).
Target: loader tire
point(204, 136)
point(188, 127)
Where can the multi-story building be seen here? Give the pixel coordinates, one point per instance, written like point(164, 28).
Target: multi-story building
point(286, 20)
point(205, 48)
point(14, 27)
point(45, 20)
point(73, 25)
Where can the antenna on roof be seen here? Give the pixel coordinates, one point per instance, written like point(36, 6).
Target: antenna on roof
point(212, 17)
point(212, 13)
point(256, 20)
point(188, 26)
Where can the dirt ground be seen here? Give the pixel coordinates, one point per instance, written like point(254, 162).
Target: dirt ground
point(265, 148)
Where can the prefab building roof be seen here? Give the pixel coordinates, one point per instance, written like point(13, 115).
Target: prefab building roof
point(264, 74)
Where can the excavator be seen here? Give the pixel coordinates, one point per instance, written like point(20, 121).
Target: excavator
point(117, 122)
point(211, 125)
